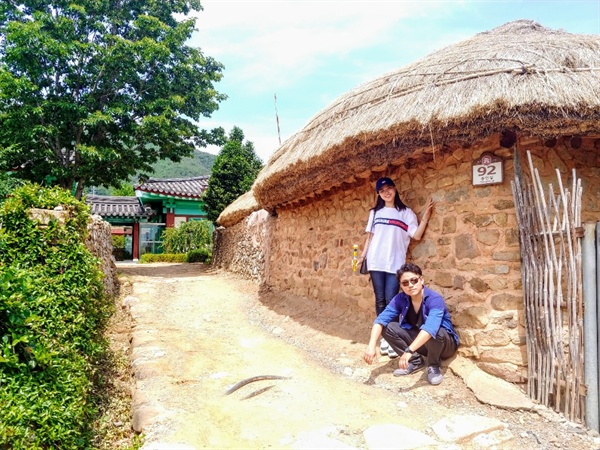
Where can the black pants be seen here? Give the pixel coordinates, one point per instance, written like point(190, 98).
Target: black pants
point(443, 346)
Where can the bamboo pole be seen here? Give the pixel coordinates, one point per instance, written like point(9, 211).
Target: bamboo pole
point(550, 236)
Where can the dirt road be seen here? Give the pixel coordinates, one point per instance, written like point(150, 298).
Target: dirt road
point(198, 332)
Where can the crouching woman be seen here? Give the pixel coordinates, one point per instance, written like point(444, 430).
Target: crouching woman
point(417, 325)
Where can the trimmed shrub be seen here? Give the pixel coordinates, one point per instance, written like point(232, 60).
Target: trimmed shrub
point(163, 257)
point(52, 313)
point(200, 255)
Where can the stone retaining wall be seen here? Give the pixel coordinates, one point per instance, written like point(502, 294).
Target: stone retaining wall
point(242, 247)
point(100, 244)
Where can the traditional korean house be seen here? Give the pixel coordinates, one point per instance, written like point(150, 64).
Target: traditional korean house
point(176, 199)
point(502, 130)
point(158, 203)
point(124, 215)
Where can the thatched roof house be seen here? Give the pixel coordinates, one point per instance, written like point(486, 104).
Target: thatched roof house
point(518, 76)
point(239, 209)
point(518, 91)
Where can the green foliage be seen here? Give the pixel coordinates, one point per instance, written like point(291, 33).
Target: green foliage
point(200, 255)
point(7, 184)
point(163, 257)
point(124, 190)
point(187, 236)
point(234, 171)
point(93, 91)
point(52, 311)
point(118, 241)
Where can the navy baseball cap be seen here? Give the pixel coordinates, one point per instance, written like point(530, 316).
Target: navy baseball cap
point(384, 181)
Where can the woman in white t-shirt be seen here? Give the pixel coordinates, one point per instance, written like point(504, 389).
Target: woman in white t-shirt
point(390, 227)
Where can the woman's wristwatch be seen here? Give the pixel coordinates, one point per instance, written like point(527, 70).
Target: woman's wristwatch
point(408, 350)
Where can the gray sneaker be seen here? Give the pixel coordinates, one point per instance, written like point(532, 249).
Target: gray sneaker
point(412, 367)
point(434, 375)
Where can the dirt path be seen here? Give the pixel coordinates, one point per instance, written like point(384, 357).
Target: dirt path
point(198, 332)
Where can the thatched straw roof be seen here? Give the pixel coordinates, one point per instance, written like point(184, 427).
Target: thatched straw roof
point(239, 209)
point(521, 76)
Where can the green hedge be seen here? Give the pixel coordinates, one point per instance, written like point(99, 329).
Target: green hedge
point(193, 256)
point(52, 313)
point(163, 257)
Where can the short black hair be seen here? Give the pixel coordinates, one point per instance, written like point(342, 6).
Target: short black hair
point(409, 267)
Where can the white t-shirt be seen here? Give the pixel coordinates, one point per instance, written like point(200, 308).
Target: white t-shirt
point(391, 235)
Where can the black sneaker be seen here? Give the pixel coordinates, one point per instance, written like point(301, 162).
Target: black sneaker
point(434, 375)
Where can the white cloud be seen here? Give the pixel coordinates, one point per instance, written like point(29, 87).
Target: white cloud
point(279, 42)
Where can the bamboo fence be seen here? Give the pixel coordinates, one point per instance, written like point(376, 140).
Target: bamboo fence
point(550, 231)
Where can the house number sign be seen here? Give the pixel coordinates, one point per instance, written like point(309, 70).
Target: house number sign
point(488, 169)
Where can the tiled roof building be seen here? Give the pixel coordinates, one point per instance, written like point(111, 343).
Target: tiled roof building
point(159, 203)
point(112, 206)
point(180, 187)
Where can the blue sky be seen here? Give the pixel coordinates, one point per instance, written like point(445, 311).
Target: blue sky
point(308, 53)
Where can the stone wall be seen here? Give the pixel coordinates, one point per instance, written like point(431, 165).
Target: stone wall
point(100, 244)
point(242, 248)
point(470, 251)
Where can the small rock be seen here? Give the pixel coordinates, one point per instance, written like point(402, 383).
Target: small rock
point(129, 300)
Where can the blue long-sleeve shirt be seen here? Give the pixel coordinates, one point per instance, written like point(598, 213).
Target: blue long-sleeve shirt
point(434, 311)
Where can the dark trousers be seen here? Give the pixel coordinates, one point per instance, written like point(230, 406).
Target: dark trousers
point(443, 346)
point(385, 287)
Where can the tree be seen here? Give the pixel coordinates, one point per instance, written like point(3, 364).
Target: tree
point(124, 190)
point(188, 236)
point(93, 91)
point(233, 173)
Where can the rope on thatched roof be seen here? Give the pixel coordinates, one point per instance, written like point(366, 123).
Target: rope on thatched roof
point(519, 75)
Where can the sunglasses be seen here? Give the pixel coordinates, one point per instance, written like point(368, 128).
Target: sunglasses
point(412, 282)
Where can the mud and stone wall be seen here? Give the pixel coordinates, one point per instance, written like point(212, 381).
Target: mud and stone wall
point(470, 252)
point(242, 247)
